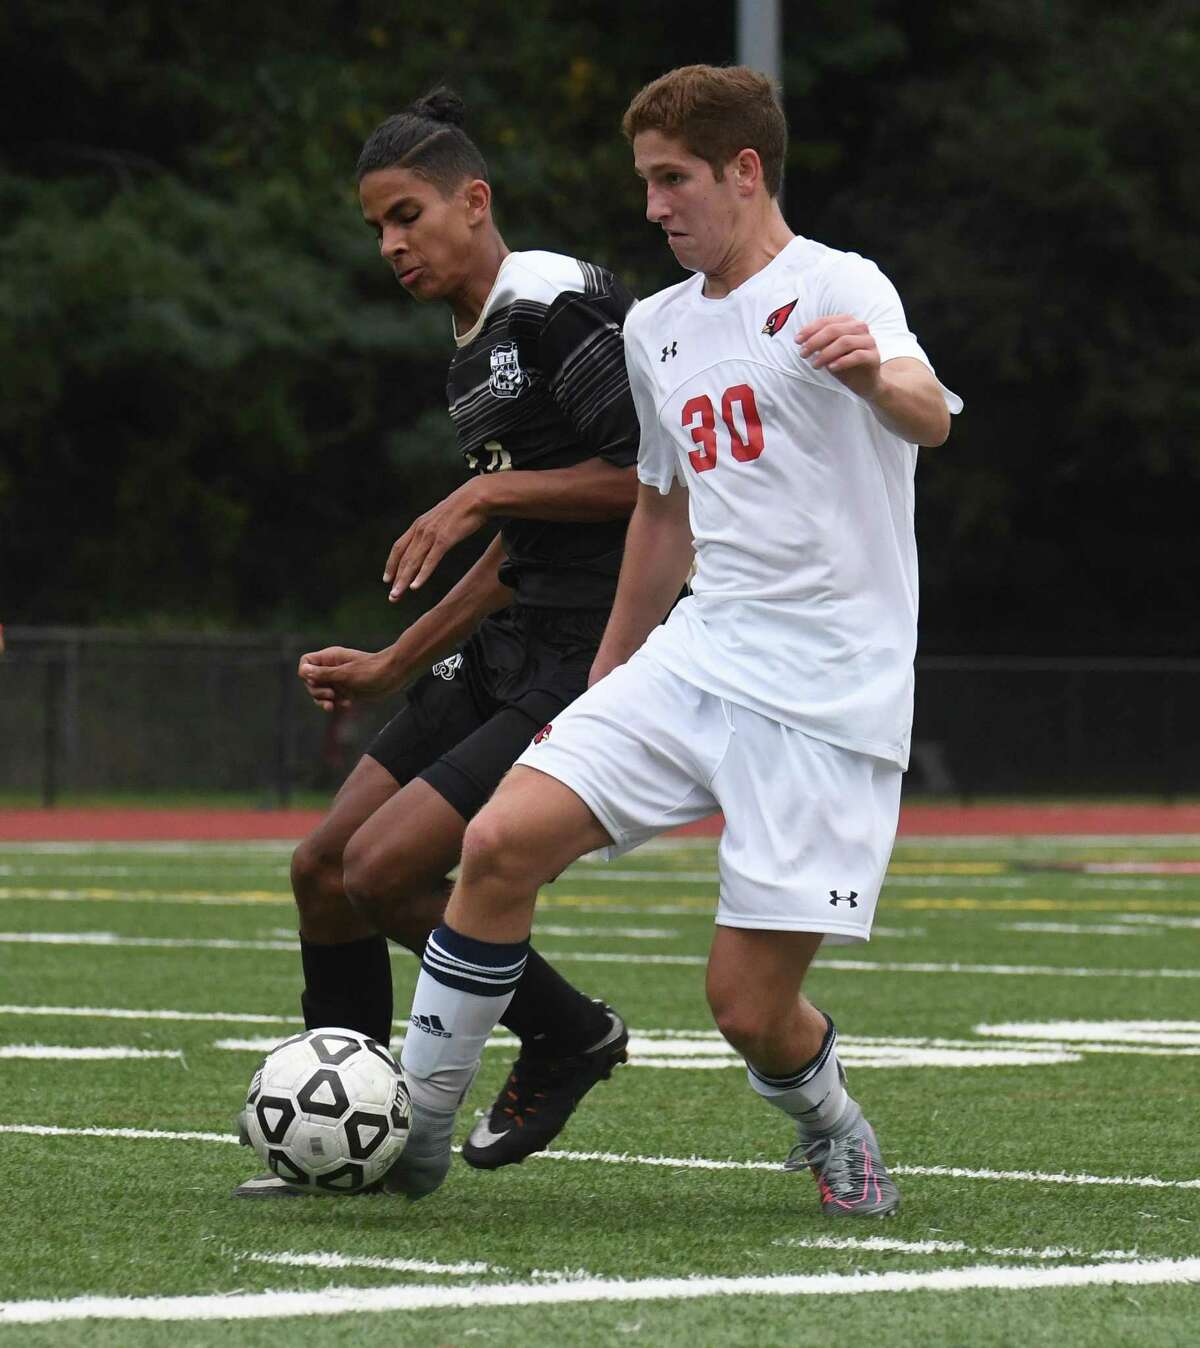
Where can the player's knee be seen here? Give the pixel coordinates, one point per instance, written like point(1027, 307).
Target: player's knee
point(316, 876)
point(365, 879)
point(743, 1022)
point(492, 849)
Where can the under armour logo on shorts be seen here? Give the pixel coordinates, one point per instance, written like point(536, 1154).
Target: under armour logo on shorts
point(835, 898)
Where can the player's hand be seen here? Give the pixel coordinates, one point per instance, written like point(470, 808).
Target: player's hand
point(339, 676)
point(422, 546)
point(843, 345)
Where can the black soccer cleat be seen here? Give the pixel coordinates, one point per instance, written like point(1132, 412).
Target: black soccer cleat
point(539, 1097)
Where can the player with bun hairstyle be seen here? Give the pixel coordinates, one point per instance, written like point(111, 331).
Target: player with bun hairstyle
point(782, 399)
point(540, 401)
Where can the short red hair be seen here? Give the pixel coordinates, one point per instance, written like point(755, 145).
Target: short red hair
point(716, 111)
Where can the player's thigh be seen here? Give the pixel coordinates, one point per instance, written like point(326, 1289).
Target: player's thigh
point(530, 830)
point(469, 771)
point(638, 748)
point(406, 847)
point(756, 975)
point(809, 828)
point(416, 836)
point(369, 786)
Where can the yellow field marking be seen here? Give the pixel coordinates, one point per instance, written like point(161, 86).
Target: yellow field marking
point(698, 903)
point(148, 895)
point(934, 903)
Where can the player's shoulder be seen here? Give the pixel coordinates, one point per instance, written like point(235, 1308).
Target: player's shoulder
point(648, 313)
point(543, 277)
point(837, 267)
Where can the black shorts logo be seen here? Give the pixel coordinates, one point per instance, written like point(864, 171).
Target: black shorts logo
point(835, 898)
point(448, 668)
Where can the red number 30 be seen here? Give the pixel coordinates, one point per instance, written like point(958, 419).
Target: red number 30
point(745, 448)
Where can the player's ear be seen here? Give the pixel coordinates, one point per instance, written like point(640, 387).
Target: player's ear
point(747, 171)
point(478, 196)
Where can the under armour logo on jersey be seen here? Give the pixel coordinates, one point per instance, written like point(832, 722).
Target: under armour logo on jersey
point(431, 1025)
point(669, 351)
point(835, 898)
point(776, 320)
point(544, 733)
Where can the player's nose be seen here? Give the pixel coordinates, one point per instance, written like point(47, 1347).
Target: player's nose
point(656, 209)
point(392, 244)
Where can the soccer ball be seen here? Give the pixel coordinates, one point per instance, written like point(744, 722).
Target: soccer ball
point(328, 1110)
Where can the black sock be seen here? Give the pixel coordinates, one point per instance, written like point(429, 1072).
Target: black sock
point(550, 1016)
point(349, 984)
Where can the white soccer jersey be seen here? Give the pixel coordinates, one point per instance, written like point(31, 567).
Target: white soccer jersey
point(804, 603)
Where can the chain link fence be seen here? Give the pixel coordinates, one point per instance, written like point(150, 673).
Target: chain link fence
point(94, 711)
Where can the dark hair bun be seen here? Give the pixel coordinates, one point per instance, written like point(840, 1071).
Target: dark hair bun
point(441, 105)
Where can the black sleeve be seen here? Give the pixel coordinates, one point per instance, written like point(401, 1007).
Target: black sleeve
point(582, 358)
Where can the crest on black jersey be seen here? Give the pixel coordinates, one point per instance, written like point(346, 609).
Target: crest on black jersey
point(776, 320)
point(508, 379)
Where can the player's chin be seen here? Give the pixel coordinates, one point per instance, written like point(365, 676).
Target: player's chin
point(684, 248)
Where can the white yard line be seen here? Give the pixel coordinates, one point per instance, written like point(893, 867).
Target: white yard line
point(123, 1134)
point(115, 940)
point(108, 939)
point(357, 1300)
point(1077, 929)
point(706, 1055)
point(886, 1244)
point(951, 1172)
point(67, 1054)
point(462, 1268)
point(660, 1162)
point(1015, 970)
point(132, 1013)
point(1115, 1035)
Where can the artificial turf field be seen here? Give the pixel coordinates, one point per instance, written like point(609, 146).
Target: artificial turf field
point(1023, 1031)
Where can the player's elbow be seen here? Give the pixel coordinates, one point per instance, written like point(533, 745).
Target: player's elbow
point(623, 492)
point(937, 429)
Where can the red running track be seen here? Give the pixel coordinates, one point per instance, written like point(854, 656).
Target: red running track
point(223, 825)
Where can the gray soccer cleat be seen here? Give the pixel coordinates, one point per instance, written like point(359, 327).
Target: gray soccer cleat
point(848, 1168)
point(425, 1160)
point(270, 1186)
point(262, 1186)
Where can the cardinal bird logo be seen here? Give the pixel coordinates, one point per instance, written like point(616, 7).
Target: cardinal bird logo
point(776, 320)
point(543, 734)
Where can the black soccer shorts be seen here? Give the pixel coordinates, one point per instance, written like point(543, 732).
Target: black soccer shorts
point(467, 720)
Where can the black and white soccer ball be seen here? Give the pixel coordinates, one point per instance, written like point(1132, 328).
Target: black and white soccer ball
point(328, 1110)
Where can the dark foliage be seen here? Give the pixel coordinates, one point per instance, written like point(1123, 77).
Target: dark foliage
point(219, 409)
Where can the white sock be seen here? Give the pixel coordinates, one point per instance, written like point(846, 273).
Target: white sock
point(463, 989)
point(813, 1095)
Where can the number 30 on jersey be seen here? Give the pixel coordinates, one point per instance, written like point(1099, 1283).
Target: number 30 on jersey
point(699, 418)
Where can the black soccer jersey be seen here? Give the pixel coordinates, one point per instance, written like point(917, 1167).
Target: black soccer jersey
point(540, 382)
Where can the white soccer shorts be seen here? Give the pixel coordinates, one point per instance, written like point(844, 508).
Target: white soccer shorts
point(809, 826)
